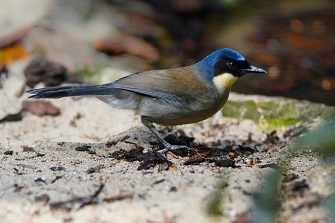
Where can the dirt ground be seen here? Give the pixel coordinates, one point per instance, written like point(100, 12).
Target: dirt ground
point(92, 163)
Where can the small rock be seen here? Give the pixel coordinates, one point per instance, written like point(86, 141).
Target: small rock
point(57, 168)
point(40, 108)
point(12, 117)
point(41, 180)
point(8, 152)
point(28, 149)
point(44, 198)
point(173, 189)
point(224, 162)
point(91, 170)
point(85, 149)
point(42, 70)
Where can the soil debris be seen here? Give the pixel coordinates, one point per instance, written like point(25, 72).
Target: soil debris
point(84, 148)
point(13, 117)
point(78, 202)
point(147, 159)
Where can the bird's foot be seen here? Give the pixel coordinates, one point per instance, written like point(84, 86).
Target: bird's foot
point(169, 147)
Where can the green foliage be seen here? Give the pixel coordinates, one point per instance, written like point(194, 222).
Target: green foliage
point(321, 140)
point(266, 204)
point(330, 206)
point(214, 206)
point(86, 72)
point(39, 51)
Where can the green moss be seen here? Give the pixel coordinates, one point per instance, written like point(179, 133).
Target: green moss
point(39, 51)
point(273, 113)
point(101, 75)
point(86, 72)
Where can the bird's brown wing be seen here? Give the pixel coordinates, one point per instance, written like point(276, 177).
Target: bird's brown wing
point(178, 83)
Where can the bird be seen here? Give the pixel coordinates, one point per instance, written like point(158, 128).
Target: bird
point(169, 97)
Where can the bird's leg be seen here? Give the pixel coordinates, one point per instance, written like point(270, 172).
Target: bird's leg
point(167, 146)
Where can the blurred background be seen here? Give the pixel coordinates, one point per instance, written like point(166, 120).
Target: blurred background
point(82, 41)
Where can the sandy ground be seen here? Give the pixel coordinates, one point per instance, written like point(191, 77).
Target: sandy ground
point(64, 169)
point(80, 166)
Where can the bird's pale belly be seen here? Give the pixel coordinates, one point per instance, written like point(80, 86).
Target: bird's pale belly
point(182, 119)
point(169, 115)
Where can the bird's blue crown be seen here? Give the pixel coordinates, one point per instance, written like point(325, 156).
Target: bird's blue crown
point(207, 64)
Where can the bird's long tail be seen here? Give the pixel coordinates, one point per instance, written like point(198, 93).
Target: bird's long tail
point(67, 91)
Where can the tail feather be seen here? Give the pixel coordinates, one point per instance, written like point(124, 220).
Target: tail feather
point(67, 91)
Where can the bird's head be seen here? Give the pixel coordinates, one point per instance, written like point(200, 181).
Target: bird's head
point(225, 66)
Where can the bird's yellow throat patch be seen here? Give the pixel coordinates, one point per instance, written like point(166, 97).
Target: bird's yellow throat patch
point(224, 81)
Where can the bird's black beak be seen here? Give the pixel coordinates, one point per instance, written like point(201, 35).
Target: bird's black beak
point(253, 69)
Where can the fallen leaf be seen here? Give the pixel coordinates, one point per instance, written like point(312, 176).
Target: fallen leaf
point(130, 45)
point(13, 53)
point(40, 108)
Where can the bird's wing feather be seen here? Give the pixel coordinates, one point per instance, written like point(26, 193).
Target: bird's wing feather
point(177, 84)
point(150, 93)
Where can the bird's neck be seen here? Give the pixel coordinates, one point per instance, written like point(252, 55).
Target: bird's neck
point(224, 81)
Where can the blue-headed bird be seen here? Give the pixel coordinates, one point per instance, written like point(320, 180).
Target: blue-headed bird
point(168, 97)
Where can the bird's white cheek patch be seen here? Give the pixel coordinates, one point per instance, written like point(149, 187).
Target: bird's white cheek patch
point(224, 81)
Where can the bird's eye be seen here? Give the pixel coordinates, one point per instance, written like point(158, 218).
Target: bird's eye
point(231, 65)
